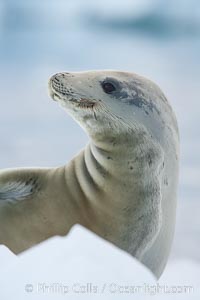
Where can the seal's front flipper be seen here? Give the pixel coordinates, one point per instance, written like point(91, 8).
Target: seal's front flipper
point(16, 190)
point(21, 184)
point(27, 214)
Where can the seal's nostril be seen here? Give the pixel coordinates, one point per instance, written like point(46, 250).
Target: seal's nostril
point(59, 76)
point(56, 78)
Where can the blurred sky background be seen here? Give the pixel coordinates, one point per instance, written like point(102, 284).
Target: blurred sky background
point(159, 39)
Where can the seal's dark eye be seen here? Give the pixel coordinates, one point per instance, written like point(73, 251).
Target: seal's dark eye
point(108, 87)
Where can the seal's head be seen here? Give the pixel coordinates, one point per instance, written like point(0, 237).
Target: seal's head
point(103, 101)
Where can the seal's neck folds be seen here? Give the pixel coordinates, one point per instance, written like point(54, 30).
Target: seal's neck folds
point(131, 162)
point(129, 155)
point(118, 182)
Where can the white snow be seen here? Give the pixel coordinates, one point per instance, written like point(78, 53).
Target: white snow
point(84, 266)
point(67, 264)
point(6, 257)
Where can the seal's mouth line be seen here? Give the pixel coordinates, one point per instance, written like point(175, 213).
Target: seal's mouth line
point(85, 103)
point(79, 102)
